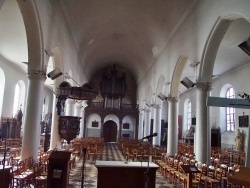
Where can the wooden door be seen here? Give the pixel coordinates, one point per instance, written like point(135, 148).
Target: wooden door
point(109, 131)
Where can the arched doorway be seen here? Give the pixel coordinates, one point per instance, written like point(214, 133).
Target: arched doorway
point(110, 131)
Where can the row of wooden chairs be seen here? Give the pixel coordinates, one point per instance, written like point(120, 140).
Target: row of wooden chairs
point(208, 176)
point(93, 146)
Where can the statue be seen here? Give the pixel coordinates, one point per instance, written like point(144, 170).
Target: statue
point(239, 140)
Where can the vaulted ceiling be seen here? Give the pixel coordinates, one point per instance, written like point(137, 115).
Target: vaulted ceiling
point(132, 33)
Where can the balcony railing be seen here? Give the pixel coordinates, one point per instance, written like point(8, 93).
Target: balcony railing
point(123, 106)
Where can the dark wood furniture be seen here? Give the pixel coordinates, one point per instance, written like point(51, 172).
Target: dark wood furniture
point(5, 178)
point(215, 138)
point(58, 169)
point(189, 170)
point(113, 174)
point(241, 177)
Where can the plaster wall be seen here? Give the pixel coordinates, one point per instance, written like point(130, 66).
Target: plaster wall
point(190, 37)
point(12, 76)
point(239, 80)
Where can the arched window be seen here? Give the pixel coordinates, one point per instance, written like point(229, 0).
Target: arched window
point(189, 114)
point(230, 112)
point(16, 99)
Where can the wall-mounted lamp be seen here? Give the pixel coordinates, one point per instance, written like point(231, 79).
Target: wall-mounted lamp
point(245, 46)
point(187, 83)
point(54, 74)
point(149, 105)
point(162, 97)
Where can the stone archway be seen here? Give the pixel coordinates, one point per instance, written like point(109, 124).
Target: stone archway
point(109, 131)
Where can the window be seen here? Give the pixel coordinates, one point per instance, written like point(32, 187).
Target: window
point(230, 112)
point(16, 99)
point(189, 119)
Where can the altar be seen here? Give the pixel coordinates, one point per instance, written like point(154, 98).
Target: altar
point(113, 174)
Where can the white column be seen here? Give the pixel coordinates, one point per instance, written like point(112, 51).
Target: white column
point(32, 115)
point(69, 107)
point(248, 150)
point(202, 128)
point(147, 122)
point(140, 128)
point(77, 110)
point(82, 122)
point(157, 125)
point(55, 139)
point(172, 145)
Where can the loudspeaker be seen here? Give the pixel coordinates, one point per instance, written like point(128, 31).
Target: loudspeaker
point(54, 74)
point(187, 83)
point(245, 46)
point(194, 121)
point(162, 97)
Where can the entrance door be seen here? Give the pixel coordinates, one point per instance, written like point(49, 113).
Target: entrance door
point(109, 131)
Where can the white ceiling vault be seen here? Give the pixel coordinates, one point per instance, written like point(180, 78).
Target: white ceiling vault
point(129, 32)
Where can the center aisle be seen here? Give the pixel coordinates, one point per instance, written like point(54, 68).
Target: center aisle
point(111, 152)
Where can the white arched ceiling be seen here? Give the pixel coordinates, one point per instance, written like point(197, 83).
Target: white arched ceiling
point(2, 83)
point(36, 53)
point(159, 89)
point(128, 32)
point(1, 3)
point(175, 83)
point(213, 43)
point(13, 45)
point(149, 98)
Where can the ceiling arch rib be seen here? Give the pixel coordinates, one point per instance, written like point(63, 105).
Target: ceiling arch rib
point(135, 31)
point(178, 71)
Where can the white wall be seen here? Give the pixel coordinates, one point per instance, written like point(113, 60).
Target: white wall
point(12, 76)
point(239, 79)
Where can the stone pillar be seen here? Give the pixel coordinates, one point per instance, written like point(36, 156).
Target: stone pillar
point(140, 129)
point(120, 128)
point(147, 122)
point(157, 125)
point(202, 128)
point(248, 150)
point(32, 115)
point(69, 107)
point(101, 128)
point(77, 110)
point(82, 122)
point(172, 146)
point(55, 139)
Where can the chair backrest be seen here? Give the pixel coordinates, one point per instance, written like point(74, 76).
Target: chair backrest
point(179, 166)
point(176, 162)
point(204, 170)
point(224, 169)
point(218, 174)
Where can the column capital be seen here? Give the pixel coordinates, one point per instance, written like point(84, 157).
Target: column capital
point(204, 86)
point(36, 75)
point(173, 99)
point(141, 111)
point(70, 101)
point(157, 106)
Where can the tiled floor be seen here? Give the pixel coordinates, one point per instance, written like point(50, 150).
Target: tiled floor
point(111, 153)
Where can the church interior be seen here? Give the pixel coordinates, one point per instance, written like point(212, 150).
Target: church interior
point(128, 94)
